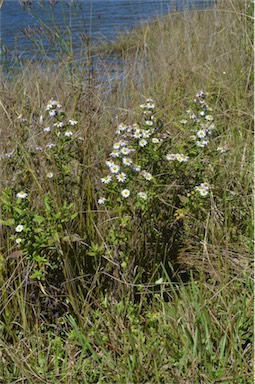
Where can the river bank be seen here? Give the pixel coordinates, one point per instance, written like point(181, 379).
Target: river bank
point(143, 275)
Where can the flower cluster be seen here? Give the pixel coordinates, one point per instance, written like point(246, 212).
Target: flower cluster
point(126, 157)
point(202, 189)
point(200, 120)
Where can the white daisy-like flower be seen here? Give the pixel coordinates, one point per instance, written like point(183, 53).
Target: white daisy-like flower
point(121, 177)
point(123, 143)
point(102, 200)
point(171, 156)
point(21, 195)
point(127, 161)
point(203, 189)
point(201, 133)
point(146, 133)
point(203, 192)
point(18, 241)
point(155, 140)
point(193, 137)
point(109, 163)
point(143, 142)
point(107, 179)
point(19, 228)
point(181, 158)
point(125, 193)
point(209, 117)
point(183, 121)
point(72, 122)
point(49, 175)
point(188, 111)
point(202, 143)
point(146, 175)
point(122, 127)
point(125, 150)
point(68, 133)
point(116, 145)
point(150, 105)
point(193, 116)
point(142, 195)
point(149, 122)
point(137, 134)
point(114, 168)
point(59, 125)
point(47, 129)
point(115, 153)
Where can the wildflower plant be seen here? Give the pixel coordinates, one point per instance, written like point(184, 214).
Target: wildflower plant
point(153, 184)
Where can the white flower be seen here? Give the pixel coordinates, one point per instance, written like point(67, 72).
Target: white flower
point(149, 122)
point(49, 175)
point(123, 143)
point(146, 133)
point(21, 195)
point(18, 241)
point(202, 113)
point(201, 133)
point(183, 121)
point(109, 163)
point(19, 228)
point(59, 125)
point(106, 180)
point(125, 150)
point(155, 140)
point(193, 117)
point(72, 122)
point(68, 133)
point(142, 142)
point(114, 168)
point(146, 175)
point(127, 161)
point(150, 105)
point(143, 105)
point(121, 177)
point(143, 195)
point(50, 145)
point(137, 168)
point(209, 117)
point(122, 127)
point(202, 189)
point(47, 129)
point(115, 153)
point(181, 158)
point(202, 143)
point(53, 112)
point(222, 149)
point(116, 145)
point(137, 134)
point(102, 200)
point(125, 193)
point(171, 156)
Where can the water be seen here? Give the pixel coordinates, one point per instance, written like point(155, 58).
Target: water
point(86, 19)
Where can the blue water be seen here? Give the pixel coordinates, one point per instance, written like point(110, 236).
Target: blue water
point(86, 19)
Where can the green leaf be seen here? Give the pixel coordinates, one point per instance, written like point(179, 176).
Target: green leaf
point(8, 222)
point(38, 219)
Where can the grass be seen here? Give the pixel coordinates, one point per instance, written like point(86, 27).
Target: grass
point(187, 318)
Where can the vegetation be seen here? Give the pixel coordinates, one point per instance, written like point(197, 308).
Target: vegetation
point(126, 219)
